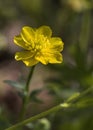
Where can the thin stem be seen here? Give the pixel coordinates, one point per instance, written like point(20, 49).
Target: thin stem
point(67, 104)
point(26, 98)
point(29, 78)
point(54, 109)
point(80, 95)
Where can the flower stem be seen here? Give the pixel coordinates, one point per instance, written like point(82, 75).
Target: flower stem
point(26, 97)
point(54, 109)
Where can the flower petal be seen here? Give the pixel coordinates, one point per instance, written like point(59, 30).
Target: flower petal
point(44, 30)
point(42, 59)
point(23, 55)
point(56, 44)
point(30, 62)
point(49, 58)
point(55, 58)
point(28, 34)
point(19, 41)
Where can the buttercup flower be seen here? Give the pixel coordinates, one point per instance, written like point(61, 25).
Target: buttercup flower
point(38, 46)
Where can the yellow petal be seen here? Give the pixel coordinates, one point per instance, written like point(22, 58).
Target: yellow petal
point(55, 58)
point(30, 62)
point(44, 30)
point(19, 41)
point(42, 59)
point(28, 34)
point(56, 43)
point(23, 55)
point(49, 58)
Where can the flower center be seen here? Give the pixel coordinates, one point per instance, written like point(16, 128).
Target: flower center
point(38, 44)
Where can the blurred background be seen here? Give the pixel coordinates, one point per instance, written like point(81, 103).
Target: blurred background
point(72, 20)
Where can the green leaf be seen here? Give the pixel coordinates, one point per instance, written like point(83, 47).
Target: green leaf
point(33, 96)
point(18, 85)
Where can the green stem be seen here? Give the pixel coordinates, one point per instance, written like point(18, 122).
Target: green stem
point(54, 109)
point(79, 95)
point(29, 78)
point(67, 104)
point(26, 98)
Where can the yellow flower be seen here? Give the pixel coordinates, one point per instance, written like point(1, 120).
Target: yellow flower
point(38, 46)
